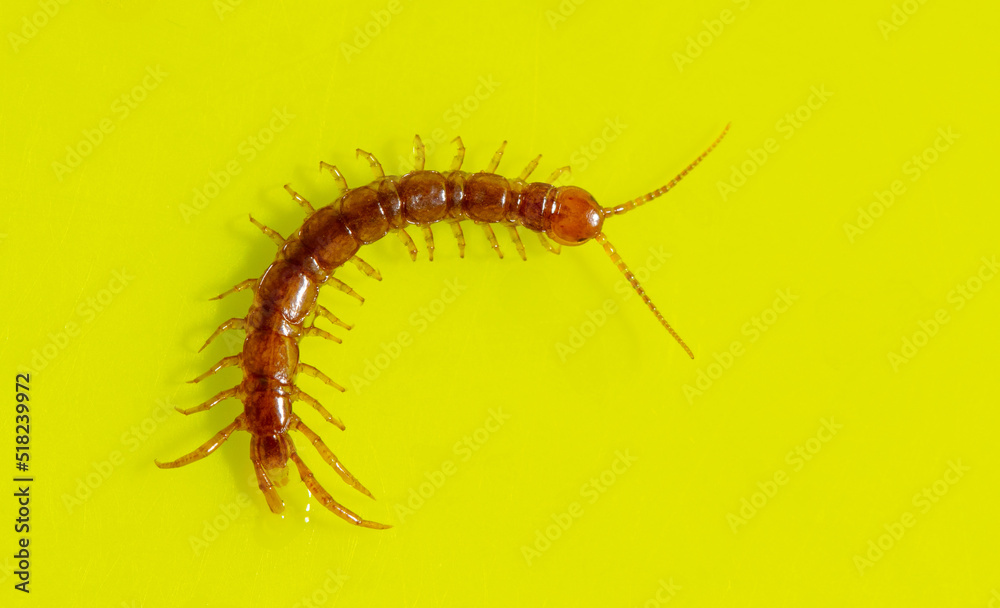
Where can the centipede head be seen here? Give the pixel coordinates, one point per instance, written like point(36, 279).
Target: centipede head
point(576, 217)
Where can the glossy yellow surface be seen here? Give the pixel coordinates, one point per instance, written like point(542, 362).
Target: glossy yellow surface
point(532, 433)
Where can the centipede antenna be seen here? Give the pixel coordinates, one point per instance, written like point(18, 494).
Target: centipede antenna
point(617, 259)
point(636, 202)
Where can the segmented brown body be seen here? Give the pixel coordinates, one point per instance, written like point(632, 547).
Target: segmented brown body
point(285, 296)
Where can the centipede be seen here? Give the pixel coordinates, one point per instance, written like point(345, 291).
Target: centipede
point(285, 307)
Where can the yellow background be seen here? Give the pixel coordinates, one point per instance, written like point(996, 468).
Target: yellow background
point(206, 82)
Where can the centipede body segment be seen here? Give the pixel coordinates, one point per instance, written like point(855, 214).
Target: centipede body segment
point(285, 309)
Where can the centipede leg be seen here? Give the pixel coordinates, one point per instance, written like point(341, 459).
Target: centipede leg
point(274, 501)
point(298, 199)
point(548, 244)
point(206, 448)
point(344, 287)
point(337, 175)
point(312, 330)
point(419, 156)
point(408, 243)
point(230, 324)
point(495, 161)
point(456, 229)
point(226, 394)
point(456, 163)
point(232, 361)
point(273, 234)
point(492, 238)
point(514, 236)
point(247, 284)
point(322, 311)
point(299, 395)
point(372, 162)
point(327, 501)
point(330, 457)
point(366, 268)
point(309, 370)
point(531, 167)
point(559, 173)
point(429, 240)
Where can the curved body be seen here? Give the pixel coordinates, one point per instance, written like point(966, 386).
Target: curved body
point(285, 296)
